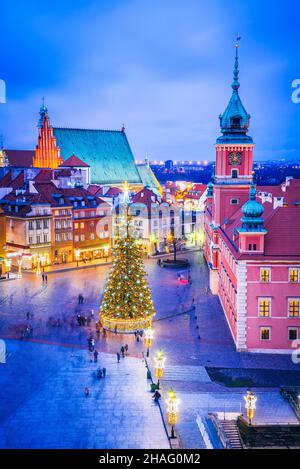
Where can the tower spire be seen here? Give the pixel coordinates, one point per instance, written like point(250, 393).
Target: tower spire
point(43, 113)
point(235, 85)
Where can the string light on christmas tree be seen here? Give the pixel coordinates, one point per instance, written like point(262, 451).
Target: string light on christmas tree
point(127, 304)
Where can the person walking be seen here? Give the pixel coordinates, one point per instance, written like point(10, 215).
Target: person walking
point(123, 351)
point(118, 357)
point(46, 279)
point(104, 372)
point(87, 391)
point(126, 349)
point(96, 353)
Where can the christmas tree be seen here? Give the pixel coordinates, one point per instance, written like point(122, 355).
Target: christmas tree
point(127, 304)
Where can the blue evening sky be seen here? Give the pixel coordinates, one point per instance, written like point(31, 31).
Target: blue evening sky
point(161, 67)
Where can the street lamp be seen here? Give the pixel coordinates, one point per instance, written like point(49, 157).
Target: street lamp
point(250, 400)
point(20, 267)
point(172, 410)
point(106, 250)
point(148, 338)
point(38, 266)
point(77, 255)
point(8, 266)
point(159, 360)
point(43, 259)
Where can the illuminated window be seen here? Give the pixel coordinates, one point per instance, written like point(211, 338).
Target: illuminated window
point(294, 275)
point(293, 333)
point(265, 333)
point(81, 225)
point(294, 308)
point(265, 275)
point(264, 307)
point(76, 226)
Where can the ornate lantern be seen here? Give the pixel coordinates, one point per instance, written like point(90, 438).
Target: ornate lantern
point(250, 404)
point(159, 360)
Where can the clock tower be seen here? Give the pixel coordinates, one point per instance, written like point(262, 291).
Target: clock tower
point(234, 156)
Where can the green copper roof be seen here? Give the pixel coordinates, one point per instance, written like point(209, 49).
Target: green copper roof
point(252, 212)
point(148, 178)
point(234, 122)
point(106, 151)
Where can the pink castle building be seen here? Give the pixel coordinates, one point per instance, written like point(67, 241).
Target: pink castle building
point(252, 242)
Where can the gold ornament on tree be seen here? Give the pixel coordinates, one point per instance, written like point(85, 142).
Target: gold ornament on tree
point(127, 304)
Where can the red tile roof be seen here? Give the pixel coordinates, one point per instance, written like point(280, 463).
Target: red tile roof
point(113, 192)
point(20, 158)
point(147, 197)
point(74, 161)
point(95, 189)
point(44, 176)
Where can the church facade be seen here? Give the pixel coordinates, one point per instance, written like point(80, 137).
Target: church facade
point(252, 248)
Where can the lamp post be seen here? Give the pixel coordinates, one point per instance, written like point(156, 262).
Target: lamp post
point(250, 404)
point(8, 266)
point(77, 255)
point(38, 266)
point(106, 250)
point(172, 410)
point(43, 259)
point(148, 338)
point(159, 360)
point(20, 267)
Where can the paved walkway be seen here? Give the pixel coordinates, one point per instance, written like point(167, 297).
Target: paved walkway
point(50, 409)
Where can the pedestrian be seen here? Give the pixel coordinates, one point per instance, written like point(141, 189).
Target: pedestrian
point(126, 349)
point(96, 353)
point(104, 332)
point(116, 329)
point(118, 357)
point(99, 373)
point(46, 279)
point(87, 391)
point(104, 372)
point(123, 351)
point(43, 278)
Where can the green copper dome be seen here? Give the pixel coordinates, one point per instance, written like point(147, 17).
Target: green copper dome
point(252, 208)
point(252, 211)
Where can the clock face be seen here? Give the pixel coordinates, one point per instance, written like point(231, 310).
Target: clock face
point(235, 158)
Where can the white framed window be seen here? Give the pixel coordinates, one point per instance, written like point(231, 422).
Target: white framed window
point(63, 237)
point(264, 307)
point(45, 238)
point(265, 274)
point(82, 237)
point(76, 238)
point(38, 240)
point(92, 236)
point(294, 274)
point(69, 236)
point(265, 333)
point(30, 240)
point(293, 333)
point(293, 307)
point(57, 238)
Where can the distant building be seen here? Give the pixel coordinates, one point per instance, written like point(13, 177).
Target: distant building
point(169, 165)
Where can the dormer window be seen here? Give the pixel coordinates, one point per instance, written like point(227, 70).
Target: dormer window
point(236, 122)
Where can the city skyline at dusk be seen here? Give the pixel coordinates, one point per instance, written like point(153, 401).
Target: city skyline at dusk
point(163, 70)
